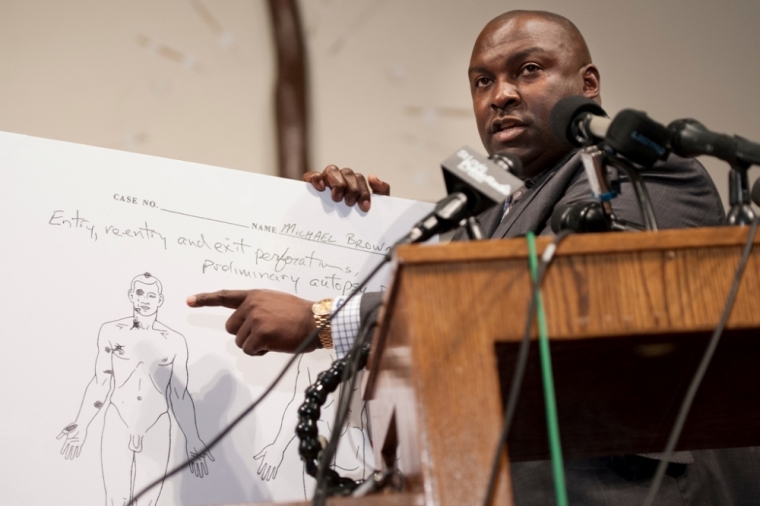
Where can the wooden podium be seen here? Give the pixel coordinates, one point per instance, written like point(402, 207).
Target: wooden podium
point(629, 315)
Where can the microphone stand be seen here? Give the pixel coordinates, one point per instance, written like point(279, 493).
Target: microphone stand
point(595, 162)
point(474, 232)
point(741, 212)
point(625, 226)
point(642, 195)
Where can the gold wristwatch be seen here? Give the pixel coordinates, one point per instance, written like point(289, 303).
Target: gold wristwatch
point(321, 312)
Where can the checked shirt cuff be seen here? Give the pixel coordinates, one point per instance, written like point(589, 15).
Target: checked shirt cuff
point(345, 325)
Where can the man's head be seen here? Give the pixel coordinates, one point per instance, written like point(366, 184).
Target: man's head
point(146, 294)
point(522, 64)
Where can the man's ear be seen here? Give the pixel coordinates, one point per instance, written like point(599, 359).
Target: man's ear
point(129, 294)
point(161, 300)
point(592, 86)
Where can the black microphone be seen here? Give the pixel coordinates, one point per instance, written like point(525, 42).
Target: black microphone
point(474, 184)
point(634, 135)
point(690, 138)
point(756, 192)
point(581, 217)
point(578, 120)
point(638, 137)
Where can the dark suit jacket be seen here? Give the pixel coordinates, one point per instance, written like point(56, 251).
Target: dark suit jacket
point(682, 194)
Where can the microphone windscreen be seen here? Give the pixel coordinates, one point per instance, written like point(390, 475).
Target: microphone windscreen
point(580, 217)
point(567, 109)
point(485, 182)
point(558, 217)
point(756, 192)
point(637, 137)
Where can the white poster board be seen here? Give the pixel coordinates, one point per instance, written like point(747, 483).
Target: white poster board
point(79, 224)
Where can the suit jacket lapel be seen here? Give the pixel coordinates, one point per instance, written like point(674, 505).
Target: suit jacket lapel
point(490, 219)
point(520, 205)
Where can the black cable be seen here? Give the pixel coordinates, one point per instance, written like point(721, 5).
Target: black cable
point(297, 353)
point(699, 374)
point(522, 362)
point(642, 194)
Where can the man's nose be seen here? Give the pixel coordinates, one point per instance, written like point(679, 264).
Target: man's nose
point(505, 96)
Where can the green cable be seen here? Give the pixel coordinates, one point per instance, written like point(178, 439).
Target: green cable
point(555, 448)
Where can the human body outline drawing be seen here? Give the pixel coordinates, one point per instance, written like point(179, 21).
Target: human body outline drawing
point(270, 458)
point(140, 371)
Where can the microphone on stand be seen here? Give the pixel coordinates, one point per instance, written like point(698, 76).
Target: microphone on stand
point(588, 216)
point(579, 121)
point(756, 192)
point(630, 137)
point(581, 217)
point(475, 184)
point(690, 138)
point(632, 134)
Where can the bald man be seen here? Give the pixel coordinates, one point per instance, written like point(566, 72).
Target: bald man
point(522, 64)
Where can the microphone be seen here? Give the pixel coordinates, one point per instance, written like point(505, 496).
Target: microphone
point(579, 121)
point(474, 183)
point(756, 192)
point(581, 217)
point(690, 138)
point(634, 135)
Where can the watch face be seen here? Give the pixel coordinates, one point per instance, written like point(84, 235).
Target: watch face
point(321, 308)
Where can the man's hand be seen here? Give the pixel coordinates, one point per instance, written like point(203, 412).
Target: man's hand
point(264, 320)
point(345, 184)
point(72, 445)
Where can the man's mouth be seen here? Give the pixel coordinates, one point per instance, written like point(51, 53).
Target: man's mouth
point(506, 129)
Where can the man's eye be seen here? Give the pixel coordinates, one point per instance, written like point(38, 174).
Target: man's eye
point(482, 81)
point(530, 68)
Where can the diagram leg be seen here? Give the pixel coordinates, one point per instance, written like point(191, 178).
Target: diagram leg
point(152, 461)
point(117, 459)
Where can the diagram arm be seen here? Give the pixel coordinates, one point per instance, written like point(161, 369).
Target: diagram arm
point(184, 411)
point(95, 396)
point(271, 456)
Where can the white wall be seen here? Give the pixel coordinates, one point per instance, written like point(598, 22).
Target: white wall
point(389, 88)
point(103, 73)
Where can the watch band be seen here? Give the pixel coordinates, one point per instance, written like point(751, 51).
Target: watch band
point(322, 310)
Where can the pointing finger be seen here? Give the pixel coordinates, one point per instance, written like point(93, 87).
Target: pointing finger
point(226, 298)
